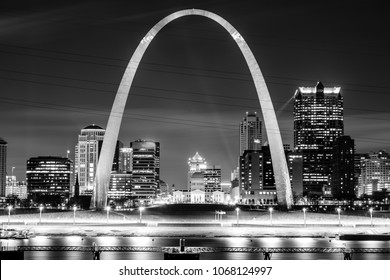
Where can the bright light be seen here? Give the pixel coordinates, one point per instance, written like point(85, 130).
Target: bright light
point(40, 208)
point(371, 210)
point(237, 209)
point(108, 208)
point(271, 209)
point(74, 208)
point(338, 209)
point(9, 207)
point(304, 209)
point(141, 208)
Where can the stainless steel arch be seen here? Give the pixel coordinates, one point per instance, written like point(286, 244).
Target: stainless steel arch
point(102, 179)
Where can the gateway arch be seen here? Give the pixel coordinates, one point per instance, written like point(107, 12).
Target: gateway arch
point(102, 179)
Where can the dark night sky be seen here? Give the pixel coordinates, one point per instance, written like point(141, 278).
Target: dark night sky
point(61, 65)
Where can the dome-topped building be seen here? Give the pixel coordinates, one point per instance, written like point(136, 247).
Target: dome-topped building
point(93, 126)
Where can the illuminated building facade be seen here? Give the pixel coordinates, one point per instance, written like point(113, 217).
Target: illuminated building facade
point(146, 170)
point(253, 166)
point(16, 188)
point(318, 121)
point(251, 176)
point(120, 186)
point(3, 166)
point(195, 164)
point(375, 173)
point(86, 156)
point(48, 178)
point(212, 181)
point(250, 133)
point(125, 159)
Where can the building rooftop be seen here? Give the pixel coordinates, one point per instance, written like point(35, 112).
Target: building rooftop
point(2, 141)
point(92, 126)
point(319, 88)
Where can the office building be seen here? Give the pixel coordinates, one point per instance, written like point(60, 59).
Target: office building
point(146, 170)
point(3, 166)
point(87, 155)
point(48, 179)
point(125, 159)
point(212, 181)
point(250, 133)
point(318, 122)
point(120, 186)
point(16, 188)
point(375, 173)
point(343, 173)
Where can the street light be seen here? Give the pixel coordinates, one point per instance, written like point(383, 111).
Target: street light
point(108, 211)
point(304, 216)
point(74, 214)
point(338, 211)
point(238, 210)
point(371, 216)
point(140, 214)
point(40, 214)
point(270, 213)
point(9, 213)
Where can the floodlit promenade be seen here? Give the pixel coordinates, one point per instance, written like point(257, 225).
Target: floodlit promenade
point(162, 221)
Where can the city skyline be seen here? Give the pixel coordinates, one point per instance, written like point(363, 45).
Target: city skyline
point(61, 72)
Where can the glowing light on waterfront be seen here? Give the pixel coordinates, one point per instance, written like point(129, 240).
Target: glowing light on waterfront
point(338, 211)
point(9, 213)
point(140, 214)
point(371, 210)
point(270, 214)
point(304, 216)
point(108, 208)
point(74, 214)
point(238, 211)
point(40, 213)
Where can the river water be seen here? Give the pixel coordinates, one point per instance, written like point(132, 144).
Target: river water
point(193, 242)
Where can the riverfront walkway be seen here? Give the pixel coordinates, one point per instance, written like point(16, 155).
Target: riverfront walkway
point(163, 221)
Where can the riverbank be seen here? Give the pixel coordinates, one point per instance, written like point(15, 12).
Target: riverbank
point(191, 222)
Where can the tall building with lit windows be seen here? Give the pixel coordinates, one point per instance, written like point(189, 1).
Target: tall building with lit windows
point(48, 179)
point(125, 159)
point(318, 122)
point(87, 155)
point(145, 180)
point(3, 166)
point(250, 133)
point(375, 173)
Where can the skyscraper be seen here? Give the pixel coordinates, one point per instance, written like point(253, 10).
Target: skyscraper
point(48, 179)
point(87, 155)
point(146, 170)
point(3, 166)
point(318, 121)
point(343, 175)
point(250, 133)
